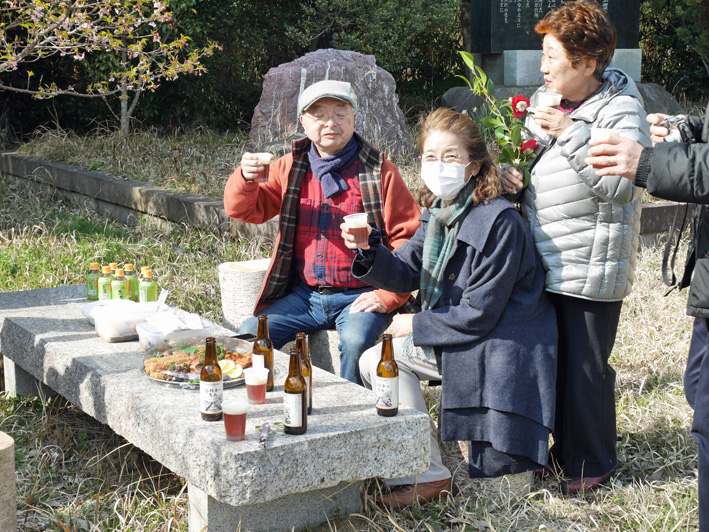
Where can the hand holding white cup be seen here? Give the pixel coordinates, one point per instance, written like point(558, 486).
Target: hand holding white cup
point(265, 160)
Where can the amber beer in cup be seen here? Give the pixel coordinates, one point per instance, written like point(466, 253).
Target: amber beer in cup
point(235, 418)
point(358, 226)
point(256, 379)
point(264, 159)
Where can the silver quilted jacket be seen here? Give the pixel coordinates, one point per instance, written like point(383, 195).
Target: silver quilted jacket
point(586, 228)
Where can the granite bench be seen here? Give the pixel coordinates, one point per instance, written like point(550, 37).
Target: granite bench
point(297, 481)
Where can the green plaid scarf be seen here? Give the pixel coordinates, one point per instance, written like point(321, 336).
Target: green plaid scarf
point(441, 233)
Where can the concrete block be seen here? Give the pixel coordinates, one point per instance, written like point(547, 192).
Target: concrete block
point(8, 503)
point(20, 383)
point(521, 67)
point(629, 60)
point(323, 348)
point(290, 513)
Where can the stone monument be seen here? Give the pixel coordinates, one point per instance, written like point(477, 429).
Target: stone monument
point(379, 119)
point(505, 45)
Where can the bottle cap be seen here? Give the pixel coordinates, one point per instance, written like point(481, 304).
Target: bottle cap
point(148, 273)
point(96, 266)
point(120, 271)
point(144, 268)
point(106, 269)
point(114, 265)
point(128, 267)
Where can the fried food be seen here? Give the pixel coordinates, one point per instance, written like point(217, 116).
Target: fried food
point(188, 363)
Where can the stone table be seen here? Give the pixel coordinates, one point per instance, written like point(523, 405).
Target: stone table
point(297, 481)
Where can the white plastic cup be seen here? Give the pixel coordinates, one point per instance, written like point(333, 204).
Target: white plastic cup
point(549, 99)
point(256, 379)
point(602, 133)
point(265, 159)
point(358, 226)
point(235, 418)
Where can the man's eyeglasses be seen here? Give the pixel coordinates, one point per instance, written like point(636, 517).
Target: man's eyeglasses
point(448, 158)
point(323, 118)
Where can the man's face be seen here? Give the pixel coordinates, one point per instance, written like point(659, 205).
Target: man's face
point(329, 124)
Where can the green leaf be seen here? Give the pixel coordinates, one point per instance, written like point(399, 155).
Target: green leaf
point(508, 154)
point(527, 177)
point(516, 135)
point(491, 122)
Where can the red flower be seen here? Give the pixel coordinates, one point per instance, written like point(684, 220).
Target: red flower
point(519, 106)
point(530, 144)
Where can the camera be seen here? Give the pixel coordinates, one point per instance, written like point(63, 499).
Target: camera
point(679, 130)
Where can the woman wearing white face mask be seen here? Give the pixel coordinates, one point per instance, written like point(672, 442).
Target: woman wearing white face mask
point(485, 327)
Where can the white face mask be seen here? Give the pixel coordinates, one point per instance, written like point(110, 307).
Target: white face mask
point(445, 180)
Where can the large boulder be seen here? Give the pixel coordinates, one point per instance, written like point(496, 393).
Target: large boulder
point(379, 119)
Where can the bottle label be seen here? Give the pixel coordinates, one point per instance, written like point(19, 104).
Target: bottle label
point(132, 281)
point(148, 291)
point(387, 390)
point(293, 409)
point(92, 286)
point(104, 288)
point(210, 397)
point(119, 290)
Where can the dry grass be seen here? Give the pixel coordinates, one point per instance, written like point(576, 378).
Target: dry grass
point(75, 474)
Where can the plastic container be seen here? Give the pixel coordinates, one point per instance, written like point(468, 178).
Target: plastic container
point(117, 323)
point(150, 336)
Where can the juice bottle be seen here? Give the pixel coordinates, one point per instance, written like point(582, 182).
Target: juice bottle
point(132, 279)
point(92, 280)
point(119, 286)
point(148, 289)
point(114, 267)
point(104, 283)
point(142, 272)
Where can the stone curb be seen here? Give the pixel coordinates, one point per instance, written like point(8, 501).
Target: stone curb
point(127, 200)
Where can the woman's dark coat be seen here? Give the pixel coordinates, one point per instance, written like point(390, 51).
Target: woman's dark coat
point(494, 334)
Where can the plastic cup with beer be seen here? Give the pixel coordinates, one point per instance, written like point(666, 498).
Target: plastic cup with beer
point(235, 418)
point(256, 379)
point(358, 226)
point(264, 159)
point(549, 99)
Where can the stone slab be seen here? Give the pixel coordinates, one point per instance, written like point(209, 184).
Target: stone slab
point(19, 382)
point(8, 504)
point(629, 60)
point(292, 512)
point(112, 195)
point(521, 67)
point(45, 333)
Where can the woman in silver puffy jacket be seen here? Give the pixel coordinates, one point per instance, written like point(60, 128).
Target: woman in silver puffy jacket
point(585, 228)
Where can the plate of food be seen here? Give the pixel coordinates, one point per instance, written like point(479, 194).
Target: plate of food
point(180, 364)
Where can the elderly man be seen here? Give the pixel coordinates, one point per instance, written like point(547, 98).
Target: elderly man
point(331, 173)
point(678, 171)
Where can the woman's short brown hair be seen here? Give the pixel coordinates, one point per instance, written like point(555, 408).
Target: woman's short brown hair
point(488, 186)
point(585, 31)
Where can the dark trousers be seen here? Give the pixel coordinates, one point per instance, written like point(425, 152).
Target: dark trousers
point(696, 389)
point(585, 426)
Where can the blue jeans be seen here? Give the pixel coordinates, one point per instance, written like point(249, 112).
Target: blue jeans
point(305, 310)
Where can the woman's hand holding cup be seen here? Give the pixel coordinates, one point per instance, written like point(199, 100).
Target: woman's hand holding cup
point(353, 236)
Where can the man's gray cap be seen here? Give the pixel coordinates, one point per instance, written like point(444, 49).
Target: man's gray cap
point(340, 90)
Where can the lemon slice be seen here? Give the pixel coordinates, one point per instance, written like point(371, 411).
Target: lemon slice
point(236, 372)
point(226, 365)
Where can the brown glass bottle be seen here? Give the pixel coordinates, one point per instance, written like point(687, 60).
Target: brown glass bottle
point(295, 402)
point(211, 387)
point(301, 342)
point(386, 382)
point(263, 346)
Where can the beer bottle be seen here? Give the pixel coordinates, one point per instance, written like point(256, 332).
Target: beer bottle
point(148, 288)
point(104, 283)
point(295, 402)
point(386, 382)
point(301, 342)
point(211, 387)
point(132, 280)
point(119, 286)
point(264, 347)
point(92, 281)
